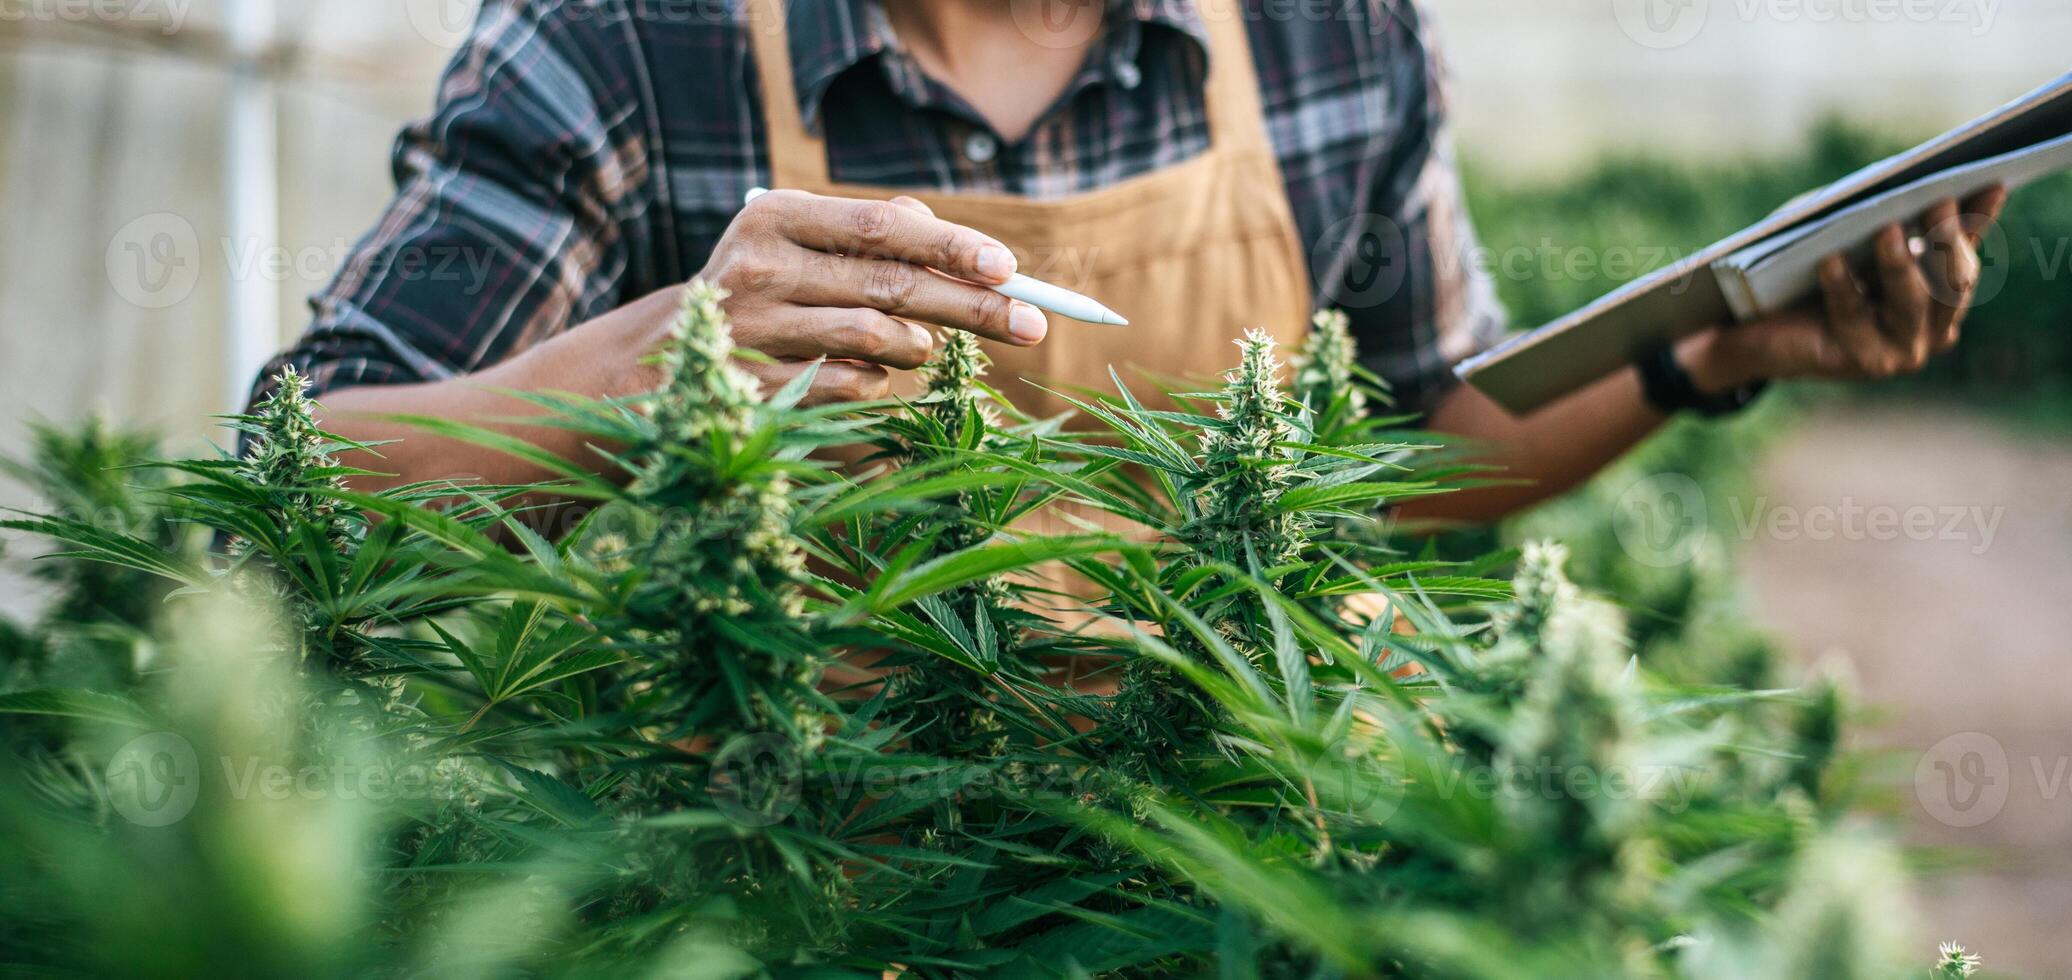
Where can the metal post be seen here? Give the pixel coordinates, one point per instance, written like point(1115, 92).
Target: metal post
point(252, 190)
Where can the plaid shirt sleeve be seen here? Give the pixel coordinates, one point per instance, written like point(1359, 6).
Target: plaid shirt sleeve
point(1409, 270)
point(508, 223)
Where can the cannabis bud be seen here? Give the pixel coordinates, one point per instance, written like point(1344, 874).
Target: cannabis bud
point(287, 451)
point(1953, 963)
point(952, 392)
point(729, 539)
point(705, 395)
point(1247, 466)
point(1325, 366)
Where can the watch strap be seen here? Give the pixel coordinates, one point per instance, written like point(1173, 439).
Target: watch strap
point(1670, 388)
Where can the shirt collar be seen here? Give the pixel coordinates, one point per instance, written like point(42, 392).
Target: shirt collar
point(829, 37)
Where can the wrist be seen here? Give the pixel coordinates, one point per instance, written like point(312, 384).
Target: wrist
point(607, 357)
point(1712, 366)
point(1671, 381)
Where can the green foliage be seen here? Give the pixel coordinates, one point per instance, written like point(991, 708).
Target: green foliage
point(757, 714)
point(95, 630)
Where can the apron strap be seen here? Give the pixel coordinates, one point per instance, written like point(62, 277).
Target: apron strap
point(1237, 117)
point(798, 158)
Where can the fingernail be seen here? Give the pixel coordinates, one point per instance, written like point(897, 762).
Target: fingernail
point(996, 262)
point(1027, 324)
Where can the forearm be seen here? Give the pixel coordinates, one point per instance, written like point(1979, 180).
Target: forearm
point(592, 360)
point(1546, 453)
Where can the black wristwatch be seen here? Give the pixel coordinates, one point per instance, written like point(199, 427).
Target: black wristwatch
point(1669, 387)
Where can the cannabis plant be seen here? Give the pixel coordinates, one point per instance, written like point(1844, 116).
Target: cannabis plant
point(760, 713)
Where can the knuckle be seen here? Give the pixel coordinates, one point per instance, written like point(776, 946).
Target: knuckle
point(850, 385)
point(1969, 269)
point(753, 272)
point(890, 285)
point(874, 222)
point(764, 209)
point(780, 200)
point(820, 267)
point(990, 309)
point(861, 336)
point(914, 344)
point(952, 249)
point(839, 386)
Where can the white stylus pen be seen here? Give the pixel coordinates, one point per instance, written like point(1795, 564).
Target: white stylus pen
point(1036, 293)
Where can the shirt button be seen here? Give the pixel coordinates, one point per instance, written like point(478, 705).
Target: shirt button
point(981, 148)
point(1128, 75)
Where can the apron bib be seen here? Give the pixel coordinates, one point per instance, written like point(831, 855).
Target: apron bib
point(1193, 254)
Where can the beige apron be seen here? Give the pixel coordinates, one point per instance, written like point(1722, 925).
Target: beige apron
point(1193, 254)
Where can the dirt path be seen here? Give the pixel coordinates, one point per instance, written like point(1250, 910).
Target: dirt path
point(1933, 553)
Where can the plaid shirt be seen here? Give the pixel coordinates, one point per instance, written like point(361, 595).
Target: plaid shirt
point(586, 152)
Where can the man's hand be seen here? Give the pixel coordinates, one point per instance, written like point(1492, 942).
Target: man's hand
point(1913, 311)
point(812, 277)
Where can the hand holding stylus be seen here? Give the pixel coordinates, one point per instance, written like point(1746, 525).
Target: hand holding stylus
point(811, 277)
point(1035, 292)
